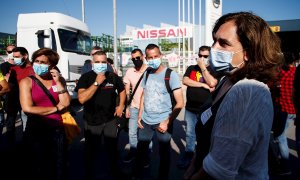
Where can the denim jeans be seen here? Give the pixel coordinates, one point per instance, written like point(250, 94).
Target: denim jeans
point(2, 121)
point(283, 144)
point(297, 134)
point(145, 136)
point(191, 120)
point(133, 129)
point(23, 117)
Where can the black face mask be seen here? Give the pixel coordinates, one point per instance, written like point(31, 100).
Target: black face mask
point(137, 64)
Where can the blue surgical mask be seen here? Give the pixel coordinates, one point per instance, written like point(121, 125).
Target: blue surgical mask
point(220, 61)
point(154, 63)
point(99, 67)
point(40, 69)
point(18, 61)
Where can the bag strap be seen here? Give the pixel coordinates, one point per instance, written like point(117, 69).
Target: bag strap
point(135, 88)
point(167, 84)
point(167, 80)
point(222, 88)
point(46, 91)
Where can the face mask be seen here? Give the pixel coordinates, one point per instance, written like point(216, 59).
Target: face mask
point(10, 56)
point(154, 63)
point(99, 67)
point(18, 61)
point(205, 61)
point(138, 63)
point(145, 62)
point(40, 69)
point(220, 61)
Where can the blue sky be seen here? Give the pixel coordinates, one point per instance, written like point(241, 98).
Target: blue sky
point(99, 13)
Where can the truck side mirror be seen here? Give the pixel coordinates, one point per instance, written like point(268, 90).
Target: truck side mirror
point(44, 38)
point(47, 38)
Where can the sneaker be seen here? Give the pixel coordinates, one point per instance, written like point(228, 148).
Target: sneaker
point(129, 158)
point(185, 160)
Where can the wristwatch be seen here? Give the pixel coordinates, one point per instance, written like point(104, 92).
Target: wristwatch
point(96, 84)
point(62, 91)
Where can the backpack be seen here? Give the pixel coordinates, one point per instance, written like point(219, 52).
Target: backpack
point(167, 83)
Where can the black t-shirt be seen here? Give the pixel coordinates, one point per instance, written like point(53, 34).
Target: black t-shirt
point(101, 107)
point(196, 96)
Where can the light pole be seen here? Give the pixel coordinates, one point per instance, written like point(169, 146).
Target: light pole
point(82, 9)
point(115, 35)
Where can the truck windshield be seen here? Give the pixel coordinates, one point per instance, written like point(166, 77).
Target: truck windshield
point(76, 42)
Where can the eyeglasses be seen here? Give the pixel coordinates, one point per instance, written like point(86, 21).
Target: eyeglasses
point(200, 56)
point(136, 58)
point(9, 52)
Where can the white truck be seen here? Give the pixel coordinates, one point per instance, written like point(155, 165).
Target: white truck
point(68, 36)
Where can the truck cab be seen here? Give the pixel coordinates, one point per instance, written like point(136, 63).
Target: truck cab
point(68, 36)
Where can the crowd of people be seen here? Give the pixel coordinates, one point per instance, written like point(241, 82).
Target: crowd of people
point(233, 94)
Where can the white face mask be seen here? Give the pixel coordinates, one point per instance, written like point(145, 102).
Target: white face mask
point(10, 56)
point(206, 61)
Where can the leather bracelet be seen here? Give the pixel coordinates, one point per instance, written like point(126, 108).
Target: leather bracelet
point(62, 91)
point(203, 70)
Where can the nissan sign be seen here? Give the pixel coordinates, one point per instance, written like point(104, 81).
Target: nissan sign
point(162, 33)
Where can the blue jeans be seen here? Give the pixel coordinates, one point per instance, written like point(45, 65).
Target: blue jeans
point(191, 120)
point(2, 121)
point(133, 129)
point(283, 144)
point(23, 117)
point(297, 133)
point(145, 136)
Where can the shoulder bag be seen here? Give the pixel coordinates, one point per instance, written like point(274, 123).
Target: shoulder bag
point(72, 130)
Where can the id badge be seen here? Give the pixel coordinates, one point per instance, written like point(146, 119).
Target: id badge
point(206, 115)
point(54, 88)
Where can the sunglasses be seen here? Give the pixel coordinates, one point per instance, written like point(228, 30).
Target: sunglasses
point(9, 52)
point(200, 56)
point(136, 58)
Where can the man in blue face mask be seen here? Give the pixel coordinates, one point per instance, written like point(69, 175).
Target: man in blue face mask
point(200, 83)
point(97, 92)
point(22, 69)
point(156, 113)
